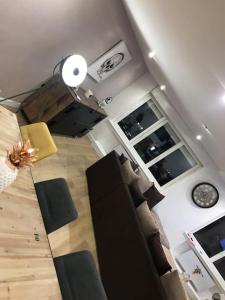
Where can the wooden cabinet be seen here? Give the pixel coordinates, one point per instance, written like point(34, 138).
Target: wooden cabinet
point(64, 111)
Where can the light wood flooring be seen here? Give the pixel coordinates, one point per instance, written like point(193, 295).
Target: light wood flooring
point(74, 156)
point(26, 267)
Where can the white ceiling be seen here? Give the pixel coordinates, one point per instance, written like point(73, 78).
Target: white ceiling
point(189, 39)
point(35, 35)
point(188, 36)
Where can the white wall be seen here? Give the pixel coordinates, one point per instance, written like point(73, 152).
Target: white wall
point(130, 96)
point(103, 132)
point(177, 211)
point(104, 135)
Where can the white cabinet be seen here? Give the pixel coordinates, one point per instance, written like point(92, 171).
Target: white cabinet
point(206, 241)
point(195, 270)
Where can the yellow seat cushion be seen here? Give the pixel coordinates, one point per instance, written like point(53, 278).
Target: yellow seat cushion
point(40, 138)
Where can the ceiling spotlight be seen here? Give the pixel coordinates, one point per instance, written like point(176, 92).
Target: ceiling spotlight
point(206, 129)
point(223, 98)
point(162, 87)
point(151, 54)
point(199, 137)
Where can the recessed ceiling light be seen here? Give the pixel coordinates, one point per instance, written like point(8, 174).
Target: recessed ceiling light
point(223, 98)
point(206, 128)
point(199, 137)
point(151, 54)
point(162, 87)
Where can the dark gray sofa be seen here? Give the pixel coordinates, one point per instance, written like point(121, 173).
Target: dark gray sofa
point(126, 264)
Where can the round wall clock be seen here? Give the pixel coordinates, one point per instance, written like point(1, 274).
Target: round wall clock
point(205, 195)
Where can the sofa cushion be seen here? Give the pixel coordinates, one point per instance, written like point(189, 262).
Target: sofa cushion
point(122, 158)
point(158, 255)
point(143, 184)
point(147, 221)
point(137, 196)
point(128, 174)
point(169, 257)
point(134, 166)
point(163, 237)
point(173, 286)
point(153, 196)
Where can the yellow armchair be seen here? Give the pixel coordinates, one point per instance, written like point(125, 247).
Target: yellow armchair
point(40, 138)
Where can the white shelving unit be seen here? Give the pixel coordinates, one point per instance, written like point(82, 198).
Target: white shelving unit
point(208, 262)
point(195, 270)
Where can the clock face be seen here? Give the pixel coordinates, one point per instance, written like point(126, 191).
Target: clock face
point(205, 195)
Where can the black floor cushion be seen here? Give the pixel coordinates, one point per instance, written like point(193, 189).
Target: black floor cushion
point(78, 277)
point(56, 203)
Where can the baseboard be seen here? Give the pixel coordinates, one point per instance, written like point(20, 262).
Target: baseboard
point(96, 145)
point(10, 103)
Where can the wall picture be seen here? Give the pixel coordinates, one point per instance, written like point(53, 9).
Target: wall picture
point(109, 62)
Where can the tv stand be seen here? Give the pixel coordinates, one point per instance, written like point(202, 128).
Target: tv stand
point(208, 243)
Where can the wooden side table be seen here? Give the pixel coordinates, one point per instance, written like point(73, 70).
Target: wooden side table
point(65, 112)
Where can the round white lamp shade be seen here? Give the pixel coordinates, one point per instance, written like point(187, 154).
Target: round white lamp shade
point(74, 70)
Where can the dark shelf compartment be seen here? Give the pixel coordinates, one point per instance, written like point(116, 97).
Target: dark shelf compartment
point(210, 236)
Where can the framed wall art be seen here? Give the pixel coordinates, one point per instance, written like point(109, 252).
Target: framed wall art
point(109, 62)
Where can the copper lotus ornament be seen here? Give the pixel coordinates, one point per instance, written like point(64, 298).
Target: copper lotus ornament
point(22, 155)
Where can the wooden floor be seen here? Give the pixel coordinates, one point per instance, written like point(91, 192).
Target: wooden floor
point(26, 267)
point(73, 158)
